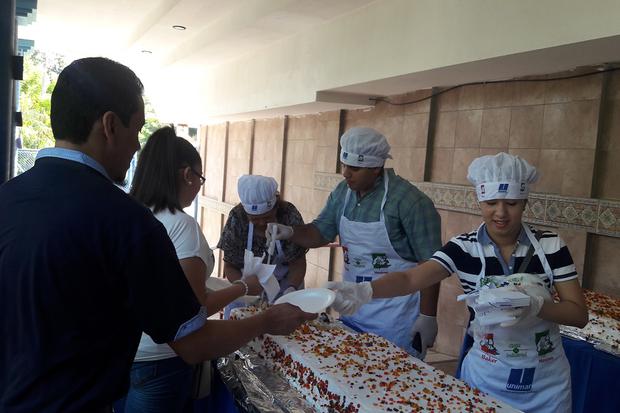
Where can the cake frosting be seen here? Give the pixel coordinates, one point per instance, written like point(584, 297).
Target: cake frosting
point(604, 325)
point(337, 370)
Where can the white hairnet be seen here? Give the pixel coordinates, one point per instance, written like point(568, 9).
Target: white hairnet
point(501, 176)
point(364, 147)
point(257, 193)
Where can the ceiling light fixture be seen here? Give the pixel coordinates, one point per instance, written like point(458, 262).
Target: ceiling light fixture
point(179, 27)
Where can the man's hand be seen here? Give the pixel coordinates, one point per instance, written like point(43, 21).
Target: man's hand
point(423, 333)
point(277, 231)
point(350, 296)
point(283, 319)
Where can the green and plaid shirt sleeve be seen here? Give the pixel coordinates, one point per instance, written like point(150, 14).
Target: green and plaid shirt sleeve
point(329, 219)
point(422, 224)
point(289, 215)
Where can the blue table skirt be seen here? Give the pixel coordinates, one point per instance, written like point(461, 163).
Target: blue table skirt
point(595, 377)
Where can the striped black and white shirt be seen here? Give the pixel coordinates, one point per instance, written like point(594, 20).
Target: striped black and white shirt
point(460, 255)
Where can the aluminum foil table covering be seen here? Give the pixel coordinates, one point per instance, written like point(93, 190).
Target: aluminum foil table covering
point(577, 334)
point(256, 387)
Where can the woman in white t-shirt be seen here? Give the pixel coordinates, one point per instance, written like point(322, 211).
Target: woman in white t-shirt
point(167, 179)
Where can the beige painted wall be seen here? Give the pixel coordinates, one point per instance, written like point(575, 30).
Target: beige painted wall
point(565, 128)
point(393, 38)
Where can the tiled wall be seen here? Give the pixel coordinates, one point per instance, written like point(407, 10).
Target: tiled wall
point(240, 136)
point(568, 129)
point(268, 148)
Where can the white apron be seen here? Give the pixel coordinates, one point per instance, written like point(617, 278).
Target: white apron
point(280, 272)
point(368, 255)
point(525, 366)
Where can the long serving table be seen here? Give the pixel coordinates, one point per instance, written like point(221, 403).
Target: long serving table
point(256, 387)
point(595, 377)
point(594, 356)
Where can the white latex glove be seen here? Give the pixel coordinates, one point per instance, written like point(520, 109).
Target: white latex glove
point(488, 314)
point(424, 332)
point(526, 315)
point(533, 286)
point(277, 231)
point(350, 296)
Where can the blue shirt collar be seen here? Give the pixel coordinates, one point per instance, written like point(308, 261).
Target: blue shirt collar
point(484, 238)
point(73, 155)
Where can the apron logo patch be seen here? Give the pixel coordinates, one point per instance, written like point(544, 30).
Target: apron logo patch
point(357, 262)
point(520, 379)
point(380, 261)
point(515, 351)
point(488, 344)
point(490, 281)
point(543, 343)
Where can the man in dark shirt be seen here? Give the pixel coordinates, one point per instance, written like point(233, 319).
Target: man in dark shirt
point(84, 269)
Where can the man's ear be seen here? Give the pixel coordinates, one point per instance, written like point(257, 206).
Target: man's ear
point(109, 123)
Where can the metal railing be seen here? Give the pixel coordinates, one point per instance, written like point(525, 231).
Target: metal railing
point(24, 160)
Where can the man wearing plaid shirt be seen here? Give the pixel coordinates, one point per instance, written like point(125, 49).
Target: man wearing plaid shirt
point(384, 224)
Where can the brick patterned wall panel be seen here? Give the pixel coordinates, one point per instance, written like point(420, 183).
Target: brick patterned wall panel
point(604, 272)
point(238, 162)
point(268, 144)
point(215, 160)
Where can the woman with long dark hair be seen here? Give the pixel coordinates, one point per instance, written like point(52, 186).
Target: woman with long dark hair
point(167, 179)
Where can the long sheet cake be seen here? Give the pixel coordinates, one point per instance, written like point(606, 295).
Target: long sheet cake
point(337, 370)
point(604, 325)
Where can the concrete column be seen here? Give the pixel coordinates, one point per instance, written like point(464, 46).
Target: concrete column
point(8, 37)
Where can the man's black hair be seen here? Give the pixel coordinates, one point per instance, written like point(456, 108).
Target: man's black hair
point(88, 88)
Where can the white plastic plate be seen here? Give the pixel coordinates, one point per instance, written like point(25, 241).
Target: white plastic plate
point(310, 300)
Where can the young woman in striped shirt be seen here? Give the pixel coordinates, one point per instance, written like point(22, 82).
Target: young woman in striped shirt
point(520, 361)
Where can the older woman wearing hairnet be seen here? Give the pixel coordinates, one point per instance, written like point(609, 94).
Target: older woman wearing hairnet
point(517, 355)
point(245, 231)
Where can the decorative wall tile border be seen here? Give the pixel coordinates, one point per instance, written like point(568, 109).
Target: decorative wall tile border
point(608, 218)
point(326, 181)
point(597, 216)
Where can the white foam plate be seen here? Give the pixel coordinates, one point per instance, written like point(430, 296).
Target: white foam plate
point(310, 300)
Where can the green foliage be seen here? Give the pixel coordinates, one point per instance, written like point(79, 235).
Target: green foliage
point(151, 123)
point(36, 131)
point(40, 73)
